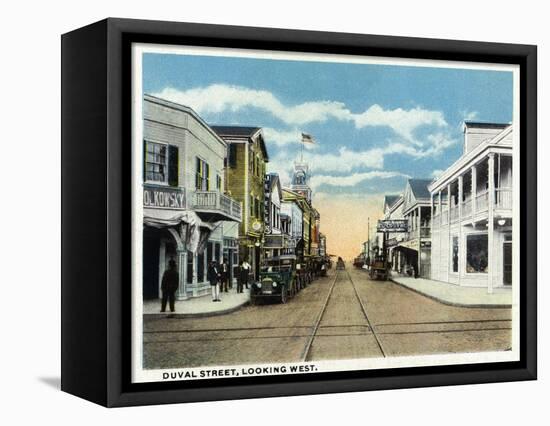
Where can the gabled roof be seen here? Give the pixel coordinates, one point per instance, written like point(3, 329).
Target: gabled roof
point(247, 132)
point(390, 199)
point(419, 187)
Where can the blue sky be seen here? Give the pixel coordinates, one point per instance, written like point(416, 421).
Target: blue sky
point(375, 125)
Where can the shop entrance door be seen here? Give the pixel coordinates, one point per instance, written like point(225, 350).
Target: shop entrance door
point(507, 263)
point(151, 245)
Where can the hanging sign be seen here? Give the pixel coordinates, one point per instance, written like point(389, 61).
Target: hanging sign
point(393, 225)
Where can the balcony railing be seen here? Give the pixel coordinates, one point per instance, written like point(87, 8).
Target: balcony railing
point(482, 201)
point(504, 198)
point(217, 203)
point(467, 208)
point(454, 214)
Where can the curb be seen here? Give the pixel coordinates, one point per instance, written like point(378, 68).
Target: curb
point(199, 314)
point(446, 302)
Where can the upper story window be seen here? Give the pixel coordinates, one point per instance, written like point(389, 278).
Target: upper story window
point(156, 162)
point(232, 155)
point(218, 182)
point(161, 163)
point(202, 176)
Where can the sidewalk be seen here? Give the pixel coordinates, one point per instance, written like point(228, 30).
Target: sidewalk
point(201, 306)
point(451, 294)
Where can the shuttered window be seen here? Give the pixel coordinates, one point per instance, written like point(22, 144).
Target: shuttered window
point(202, 175)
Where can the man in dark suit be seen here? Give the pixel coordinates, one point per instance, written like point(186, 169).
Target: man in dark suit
point(213, 276)
point(169, 285)
point(224, 276)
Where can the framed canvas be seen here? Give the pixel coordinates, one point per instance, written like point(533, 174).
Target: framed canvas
point(256, 212)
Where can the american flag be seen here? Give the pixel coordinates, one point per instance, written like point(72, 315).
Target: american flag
point(307, 138)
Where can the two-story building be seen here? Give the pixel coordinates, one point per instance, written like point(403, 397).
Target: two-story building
point(275, 240)
point(393, 209)
point(471, 205)
point(244, 173)
point(415, 247)
point(184, 204)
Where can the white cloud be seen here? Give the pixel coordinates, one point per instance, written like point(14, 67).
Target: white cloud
point(217, 98)
point(353, 179)
point(221, 97)
point(403, 122)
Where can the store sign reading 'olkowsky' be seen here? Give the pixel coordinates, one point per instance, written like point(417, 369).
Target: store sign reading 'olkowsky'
point(164, 198)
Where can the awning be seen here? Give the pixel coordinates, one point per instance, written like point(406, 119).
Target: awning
point(410, 244)
point(158, 218)
point(198, 231)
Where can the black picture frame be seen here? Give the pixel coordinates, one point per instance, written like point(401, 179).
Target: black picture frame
point(96, 207)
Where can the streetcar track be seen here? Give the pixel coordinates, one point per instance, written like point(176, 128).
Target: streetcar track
point(309, 342)
point(230, 329)
point(364, 309)
point(329, 335)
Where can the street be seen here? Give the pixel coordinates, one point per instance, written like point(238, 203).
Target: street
point(342, 316)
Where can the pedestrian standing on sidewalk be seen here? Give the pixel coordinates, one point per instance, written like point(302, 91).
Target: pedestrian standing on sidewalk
point(244, 271)
point(224, 275)
point(169, 285)
point(214, 276)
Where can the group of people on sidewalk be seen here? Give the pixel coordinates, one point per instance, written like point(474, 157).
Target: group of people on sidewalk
point(219, 277)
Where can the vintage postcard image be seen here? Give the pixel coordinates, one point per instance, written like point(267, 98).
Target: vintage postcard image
point(301, 213)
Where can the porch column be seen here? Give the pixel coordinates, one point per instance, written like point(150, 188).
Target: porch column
point(195, 270)
point(181, 294)
point(449, 242)
point(182, 264)
point(419, 238)
point(439, 206)
point(440, 234)
point(491, 224)
point(460, 197)
point(474, 191)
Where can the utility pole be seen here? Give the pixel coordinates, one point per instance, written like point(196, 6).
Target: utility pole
point(368, 237)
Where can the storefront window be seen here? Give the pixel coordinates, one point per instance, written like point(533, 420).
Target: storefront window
point(455, 254)
point(156, 162)
point(477, 253)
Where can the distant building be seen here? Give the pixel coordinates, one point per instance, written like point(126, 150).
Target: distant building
point(311, 217)
point(393, 209)
point(291, 207)
point(245, 175)
point(275, 240)
point(415, 248)
point(471, 205)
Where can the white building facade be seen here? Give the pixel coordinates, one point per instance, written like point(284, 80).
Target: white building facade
point(187, 217)
point(471, 204)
